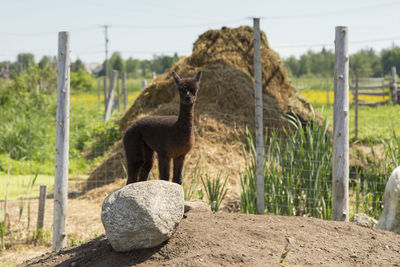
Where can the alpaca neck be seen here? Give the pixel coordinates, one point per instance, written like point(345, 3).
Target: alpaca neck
point(185, 117)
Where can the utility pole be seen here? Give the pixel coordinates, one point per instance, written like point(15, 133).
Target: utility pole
point(106, 64)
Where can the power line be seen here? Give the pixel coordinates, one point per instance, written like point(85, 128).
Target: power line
point(330, 13)
point(30, 34)
point(332, 44)
point(146, 27)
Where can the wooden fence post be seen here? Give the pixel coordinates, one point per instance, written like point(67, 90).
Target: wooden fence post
point(259, 117)
point(98, 93)
point(125, 91)
point(105, 91)
point(356, 106)
point(119, 95)
point(394, 85)
point(111, 95)
point(42, 204)
point(62, 143)
point(340, 165)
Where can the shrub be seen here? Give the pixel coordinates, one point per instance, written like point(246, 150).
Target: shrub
point(82, 81)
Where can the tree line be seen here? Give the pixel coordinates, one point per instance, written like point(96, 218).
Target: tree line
point(367, 62)
point(136, 67)
point(133, 67)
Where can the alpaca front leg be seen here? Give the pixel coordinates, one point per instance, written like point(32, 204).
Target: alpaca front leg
point(178, 166)
point(163, 167)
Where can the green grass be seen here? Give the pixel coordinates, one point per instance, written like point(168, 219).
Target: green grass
point(374, 123)
point(19, 186)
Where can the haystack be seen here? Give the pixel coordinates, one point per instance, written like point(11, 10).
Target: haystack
point(225, 102)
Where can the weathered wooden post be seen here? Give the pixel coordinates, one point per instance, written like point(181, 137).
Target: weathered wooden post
point(340, 166)
point(394, 85)
point(98, 93)
point(125, 91)
point(105, 91)
point(42, 204)
point(62, 144)
point(110, 98)
point(259, 117)
point(356, 106)
point(118, 94)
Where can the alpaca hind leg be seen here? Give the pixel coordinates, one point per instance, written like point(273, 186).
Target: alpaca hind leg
point(178, 166)
point(163, 167)
point(148, 157)
point(134, 154)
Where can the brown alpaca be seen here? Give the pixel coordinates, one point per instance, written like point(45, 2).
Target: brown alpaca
point(171, 137)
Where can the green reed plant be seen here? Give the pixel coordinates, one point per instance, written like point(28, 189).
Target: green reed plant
point(190, 189)
point(297, 171)
point(2, 234)
point(215, 189)
point(248, 197)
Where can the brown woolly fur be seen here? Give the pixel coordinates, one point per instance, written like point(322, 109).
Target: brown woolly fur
point(171, 137)
point(225, 104)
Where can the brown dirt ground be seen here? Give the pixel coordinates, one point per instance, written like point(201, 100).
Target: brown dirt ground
point(234, 239)
point(205, 239)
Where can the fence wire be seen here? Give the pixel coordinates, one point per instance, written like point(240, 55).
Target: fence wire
point(298, 162)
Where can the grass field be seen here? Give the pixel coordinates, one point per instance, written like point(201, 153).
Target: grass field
point(374, 123)
point(86, 122)
point(20, 186)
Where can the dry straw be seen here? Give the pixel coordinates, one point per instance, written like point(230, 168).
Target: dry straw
point(225, 101)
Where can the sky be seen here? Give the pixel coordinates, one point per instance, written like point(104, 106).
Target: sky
point(142, 29)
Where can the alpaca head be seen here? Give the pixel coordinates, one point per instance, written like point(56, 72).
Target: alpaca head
point(187, 87)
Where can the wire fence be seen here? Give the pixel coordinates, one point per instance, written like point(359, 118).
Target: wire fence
point(369, 162)
point(297, 164)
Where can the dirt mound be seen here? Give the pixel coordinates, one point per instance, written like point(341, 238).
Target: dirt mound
point(231, 239)
point(225, 101)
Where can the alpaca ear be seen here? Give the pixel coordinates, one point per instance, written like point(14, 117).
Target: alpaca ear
point(198, 76)
point(176, 77)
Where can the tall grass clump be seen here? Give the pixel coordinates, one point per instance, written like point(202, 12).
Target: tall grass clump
point(297, 171)
point(374, 174)
point(215, 189)
point(191, 187)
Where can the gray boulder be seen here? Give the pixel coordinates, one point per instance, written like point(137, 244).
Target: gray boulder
point(363, 219)
point(390, 217)
point(142, 215)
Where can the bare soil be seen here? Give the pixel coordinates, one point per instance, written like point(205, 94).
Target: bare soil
point(234, 239)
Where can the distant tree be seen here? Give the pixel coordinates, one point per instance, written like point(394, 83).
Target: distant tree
point(389, 58)
point(292, 64)
point(24, 60)
point(316, 63)
point(304, 65)
point(132, 66)
point(322, 63)
point(366, 62)
point(145, 66)
point(161, 63)
point(116, 62)
point(48, 61)
point(77, 66)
